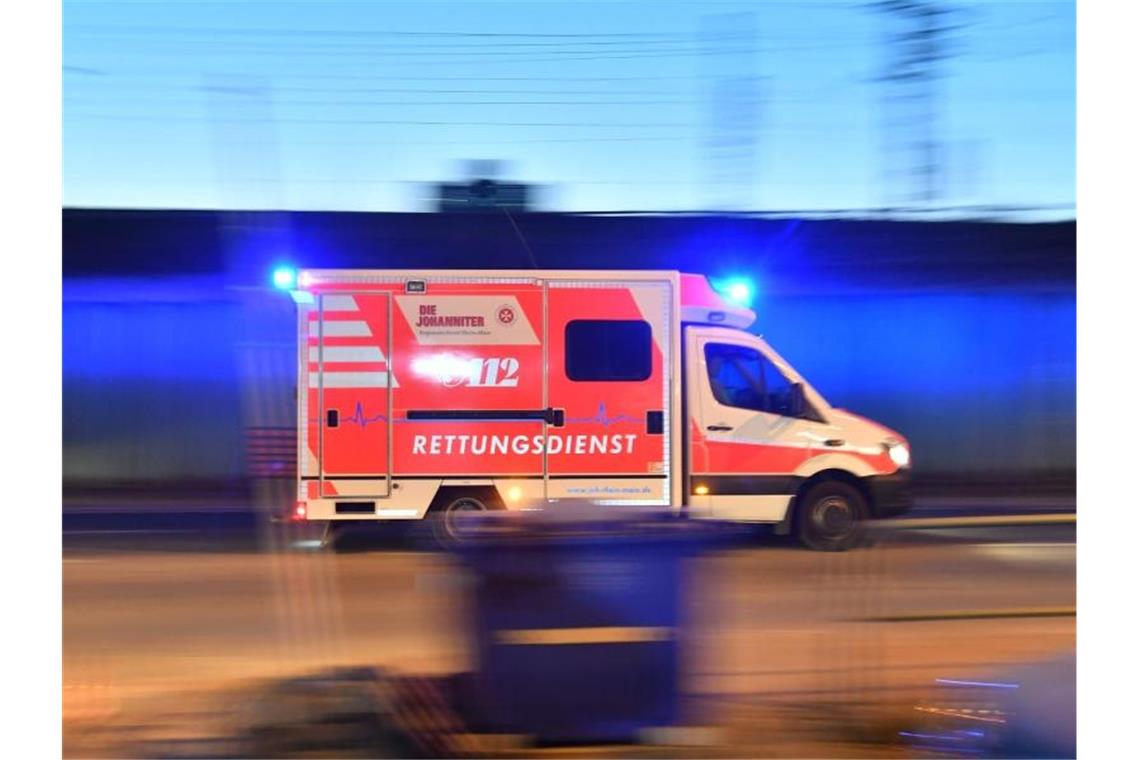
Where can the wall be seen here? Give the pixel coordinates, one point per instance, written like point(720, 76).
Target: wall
point(150, 387)
point(980, 382)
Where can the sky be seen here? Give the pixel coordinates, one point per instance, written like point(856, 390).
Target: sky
point(662, 106)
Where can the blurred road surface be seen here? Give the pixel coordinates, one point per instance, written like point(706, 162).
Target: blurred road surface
point(768, 619)
point(190, 526)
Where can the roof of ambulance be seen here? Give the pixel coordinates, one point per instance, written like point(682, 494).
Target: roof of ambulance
point(695, 289)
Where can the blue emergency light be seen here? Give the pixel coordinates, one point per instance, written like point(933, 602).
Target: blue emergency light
point(738, 290)
point(284, 278)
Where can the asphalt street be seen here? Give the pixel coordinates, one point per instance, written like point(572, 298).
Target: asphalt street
point(160, 604)
point(765, 619)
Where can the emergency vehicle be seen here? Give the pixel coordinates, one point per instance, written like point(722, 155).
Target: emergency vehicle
point(422, 394)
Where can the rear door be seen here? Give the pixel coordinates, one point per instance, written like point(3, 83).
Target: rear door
point(350, 385)
point(609, 369)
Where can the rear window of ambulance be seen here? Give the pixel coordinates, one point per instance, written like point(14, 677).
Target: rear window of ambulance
point(609, 350)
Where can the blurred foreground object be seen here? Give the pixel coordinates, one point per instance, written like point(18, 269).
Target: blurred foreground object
point(578, 620)
point(1028, 711)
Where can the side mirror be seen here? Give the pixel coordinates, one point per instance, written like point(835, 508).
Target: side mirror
point(797, 400)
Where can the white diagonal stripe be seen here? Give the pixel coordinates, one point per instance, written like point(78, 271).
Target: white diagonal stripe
point(347, 354)
point(351, 380)
point(351, 329)
point(339, 303)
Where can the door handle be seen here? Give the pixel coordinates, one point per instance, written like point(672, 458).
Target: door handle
point(719, 427)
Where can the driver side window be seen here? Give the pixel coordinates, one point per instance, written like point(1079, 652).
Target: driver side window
point(742, 377)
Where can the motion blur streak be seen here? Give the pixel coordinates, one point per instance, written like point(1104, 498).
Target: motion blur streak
point(889, 185)
point(200, 623)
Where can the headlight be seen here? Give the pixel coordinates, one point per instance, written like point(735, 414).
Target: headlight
point(898, 453)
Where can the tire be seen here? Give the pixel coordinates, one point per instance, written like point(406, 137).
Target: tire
point(831, 517)
point(328, 537)
point(442, 518)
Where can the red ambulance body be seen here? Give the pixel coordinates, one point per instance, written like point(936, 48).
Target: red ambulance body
point(425, 393)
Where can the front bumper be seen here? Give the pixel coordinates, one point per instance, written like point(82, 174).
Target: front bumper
point(890, 494)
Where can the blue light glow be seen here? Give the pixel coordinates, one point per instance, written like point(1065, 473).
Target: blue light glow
point(738, 290)
point(284, 278)
point(984, 684)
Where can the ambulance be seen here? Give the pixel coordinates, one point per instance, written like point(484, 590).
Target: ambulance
point(425, 394)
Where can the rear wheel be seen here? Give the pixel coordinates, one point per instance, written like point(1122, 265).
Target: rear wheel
point(329, 536)
point(830, 516)
point(444, 517)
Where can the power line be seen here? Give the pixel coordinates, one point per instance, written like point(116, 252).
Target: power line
point(215, 32)
point(345, 50)
point(108, 87)
point(135, 139)
point(528, 47)
point(263, 31)
point(369, 181)
point(438, 60)
point(236, 96)
point(112, 88)
point(100, 100)
point(853, 211)
point(780, 127)
point(817, 41)
point(151, 74)
point(407, 122)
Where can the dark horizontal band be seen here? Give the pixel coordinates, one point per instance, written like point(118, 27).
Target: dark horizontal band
point(584, 476)
point(746, 485)
point(477, 414)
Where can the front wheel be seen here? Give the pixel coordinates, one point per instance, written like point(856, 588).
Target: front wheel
point(830, 517)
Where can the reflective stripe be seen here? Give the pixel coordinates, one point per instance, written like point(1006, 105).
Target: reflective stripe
point(350, 329)
point(606, 635)
point(339, 303)
point(350, 380)
point(347, 354)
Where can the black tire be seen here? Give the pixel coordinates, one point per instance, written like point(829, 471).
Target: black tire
point(830, 517)
point(442, 518)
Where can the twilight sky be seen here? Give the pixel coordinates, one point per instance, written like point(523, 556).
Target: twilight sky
point(609, 106)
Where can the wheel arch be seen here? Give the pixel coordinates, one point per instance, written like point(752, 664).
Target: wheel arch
point(835, 461)
point(833, 474)
point(448, 493)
